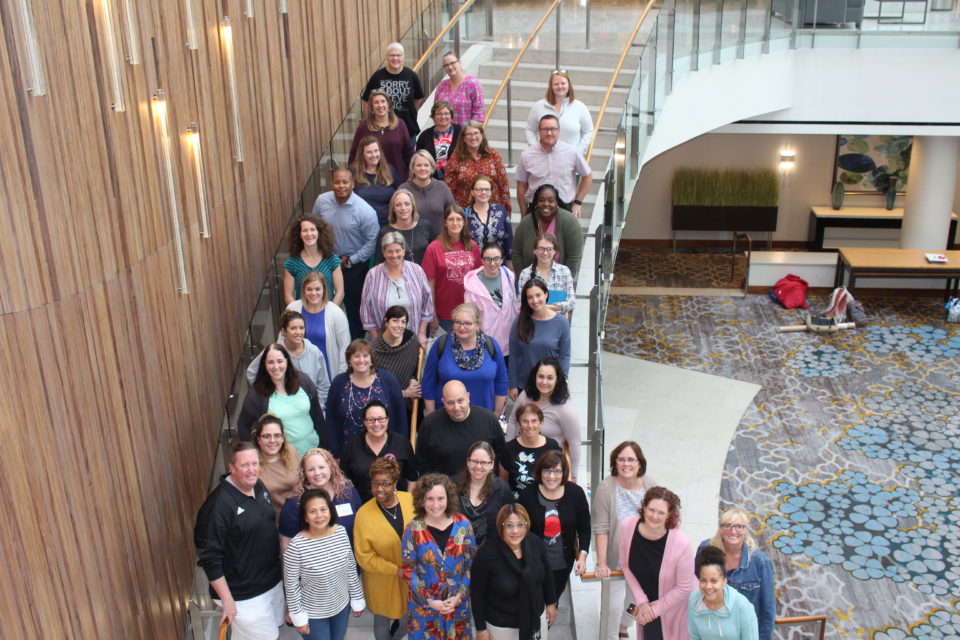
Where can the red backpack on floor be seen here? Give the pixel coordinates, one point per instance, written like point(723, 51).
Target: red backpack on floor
point(791, 292)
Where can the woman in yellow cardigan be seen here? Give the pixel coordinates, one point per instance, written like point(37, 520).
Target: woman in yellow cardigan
point(376, 535)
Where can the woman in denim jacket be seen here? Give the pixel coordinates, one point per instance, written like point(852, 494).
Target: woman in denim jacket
point(748, 570)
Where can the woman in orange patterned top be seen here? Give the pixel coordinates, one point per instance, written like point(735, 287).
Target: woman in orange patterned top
point(473, 157)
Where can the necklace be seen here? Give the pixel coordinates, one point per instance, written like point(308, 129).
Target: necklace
point(394, 513)
point(355, 407)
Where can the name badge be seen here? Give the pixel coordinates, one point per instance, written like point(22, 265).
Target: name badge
point(344, 510)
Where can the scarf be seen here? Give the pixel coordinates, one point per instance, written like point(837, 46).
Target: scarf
point(531, 578)
point(465, 362)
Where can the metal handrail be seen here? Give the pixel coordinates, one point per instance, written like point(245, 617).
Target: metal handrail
point(516, 62)
point(443, 32)
point(616, 74)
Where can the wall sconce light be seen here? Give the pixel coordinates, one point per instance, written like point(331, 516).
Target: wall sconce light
point(116, 69)
point(248, 9)
point(283, 6)
point(193, 135)
point(191, 25)
point(160, 109)
point(133, 39)
point(36, 85)
point(788, 159)
point(226, 32)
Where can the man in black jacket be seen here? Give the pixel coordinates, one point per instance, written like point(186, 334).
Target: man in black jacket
point(239, 550)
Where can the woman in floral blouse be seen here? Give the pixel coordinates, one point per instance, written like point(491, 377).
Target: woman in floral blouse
point(463, 92)
point(437, 550)
point(473, 157)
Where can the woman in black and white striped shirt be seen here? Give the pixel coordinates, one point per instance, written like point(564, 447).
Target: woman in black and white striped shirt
point(320, 573)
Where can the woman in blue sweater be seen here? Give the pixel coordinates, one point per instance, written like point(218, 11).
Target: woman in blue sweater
point(470, 356)
point(538, 332)
point(717, 611)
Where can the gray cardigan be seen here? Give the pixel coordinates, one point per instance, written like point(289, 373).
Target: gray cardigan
point(604, 517)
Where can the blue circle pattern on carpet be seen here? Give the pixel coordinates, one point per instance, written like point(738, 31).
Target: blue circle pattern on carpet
point(904, 534)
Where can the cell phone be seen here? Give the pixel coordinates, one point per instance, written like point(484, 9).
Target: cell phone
point(631, 608)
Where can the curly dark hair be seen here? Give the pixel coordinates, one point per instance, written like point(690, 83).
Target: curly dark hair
point(673, 504)
point(428, 482)
point(710, 556)
point(325, 240)
point(561, 392)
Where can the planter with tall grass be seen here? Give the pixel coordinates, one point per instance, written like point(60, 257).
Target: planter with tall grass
point(724, 200)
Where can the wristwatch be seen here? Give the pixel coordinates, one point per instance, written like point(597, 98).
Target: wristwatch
point(580, 202)
point(346, 262)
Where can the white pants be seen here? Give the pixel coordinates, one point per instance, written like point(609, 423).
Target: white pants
point(260, 617)
point(512, 633)
point(620, 597)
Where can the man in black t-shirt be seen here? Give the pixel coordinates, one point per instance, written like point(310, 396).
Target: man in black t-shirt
point(447, 433)
point(402, 86)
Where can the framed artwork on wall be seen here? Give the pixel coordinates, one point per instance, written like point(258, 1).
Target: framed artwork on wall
point(866, 164)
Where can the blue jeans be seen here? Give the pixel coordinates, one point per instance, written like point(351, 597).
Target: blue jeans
point(332, 628)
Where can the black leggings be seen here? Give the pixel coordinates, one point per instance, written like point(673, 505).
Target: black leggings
point(560, 578)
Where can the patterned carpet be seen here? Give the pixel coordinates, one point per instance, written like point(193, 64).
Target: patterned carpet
point(848, 456)
point(651, 267)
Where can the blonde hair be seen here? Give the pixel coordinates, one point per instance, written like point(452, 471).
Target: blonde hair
point(339, 486)
point(725, 517)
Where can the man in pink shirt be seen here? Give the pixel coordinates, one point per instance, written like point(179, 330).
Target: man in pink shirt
point(552, 161)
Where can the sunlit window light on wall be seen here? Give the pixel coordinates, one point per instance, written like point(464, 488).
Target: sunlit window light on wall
point(193, 135)
point(788, 159)
point(160, 110)
point(133, 38)
point(226, 32)
point(248, 9)
point(116, 68)
point(191, 25)
point(35, 82)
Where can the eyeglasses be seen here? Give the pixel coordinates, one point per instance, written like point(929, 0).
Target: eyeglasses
point(556, 71)
point(463, 325)
point(382, 485)
point(514, 525)
point(480, 463)
point(450, 64)
point(549, 129)
point(552, 472)
point(470, 134)
point(381, 420)
point(545, 249)
point(493, 259)
point(271, 436)
point(734, 527)
point(627, 460)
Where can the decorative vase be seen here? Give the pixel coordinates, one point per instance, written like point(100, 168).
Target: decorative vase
point(892, 193)
point(836, 195)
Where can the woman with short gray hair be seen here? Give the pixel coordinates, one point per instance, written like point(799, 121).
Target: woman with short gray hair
point(396, 281)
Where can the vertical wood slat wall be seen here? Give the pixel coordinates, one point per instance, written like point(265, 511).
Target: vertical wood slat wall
point(112, 382)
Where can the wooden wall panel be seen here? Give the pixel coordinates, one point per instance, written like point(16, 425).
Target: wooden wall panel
point(114, 383)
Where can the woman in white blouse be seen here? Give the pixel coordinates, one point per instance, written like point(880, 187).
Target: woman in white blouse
point(576, 125)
